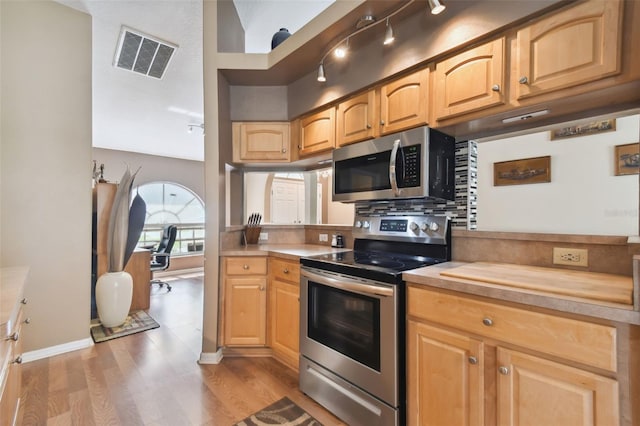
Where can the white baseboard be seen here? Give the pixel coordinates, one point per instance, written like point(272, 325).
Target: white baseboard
point(210, 357)
point(57, 350)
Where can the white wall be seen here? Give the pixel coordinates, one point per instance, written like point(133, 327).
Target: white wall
point(584, 195)
point(46, 165)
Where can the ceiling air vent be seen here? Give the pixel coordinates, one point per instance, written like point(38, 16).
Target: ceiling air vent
point(142, 53)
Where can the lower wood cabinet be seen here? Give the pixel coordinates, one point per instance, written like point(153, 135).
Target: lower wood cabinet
point(497, 372)
point(284, 310)
point(245, 301)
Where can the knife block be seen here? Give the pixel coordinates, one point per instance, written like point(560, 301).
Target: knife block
point(251, 234)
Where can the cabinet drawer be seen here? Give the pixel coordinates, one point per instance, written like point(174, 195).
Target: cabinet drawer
point(285, 271)
point(584, 342)
point(245, 265)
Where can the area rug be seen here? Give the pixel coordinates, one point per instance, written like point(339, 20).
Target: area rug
point(283, 412)
point(135, 323)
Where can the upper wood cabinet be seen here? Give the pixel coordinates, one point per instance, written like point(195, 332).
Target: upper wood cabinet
point(576, 46)
point(317, 132)
point(403, 102)
point(470, 81)
point(356, 119)
point(261, 141)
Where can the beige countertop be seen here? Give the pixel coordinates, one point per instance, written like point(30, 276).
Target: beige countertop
point(430, 276)
point(285, 251)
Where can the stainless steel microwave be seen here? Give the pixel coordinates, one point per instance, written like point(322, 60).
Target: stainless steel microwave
point(416, 163)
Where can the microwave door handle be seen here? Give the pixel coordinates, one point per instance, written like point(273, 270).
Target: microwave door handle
point(392, 167)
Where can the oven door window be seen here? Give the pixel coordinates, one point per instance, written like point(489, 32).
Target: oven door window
point(346, 322)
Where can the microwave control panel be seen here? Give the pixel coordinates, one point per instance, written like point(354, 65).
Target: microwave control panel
point(411, 173)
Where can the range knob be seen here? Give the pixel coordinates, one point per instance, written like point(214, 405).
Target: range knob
point(358, 224)
point(434, 226)
point(424, 227)
point(366, 224)
point(413, 226)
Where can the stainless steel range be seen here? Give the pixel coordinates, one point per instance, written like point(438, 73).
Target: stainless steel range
point(352, 316)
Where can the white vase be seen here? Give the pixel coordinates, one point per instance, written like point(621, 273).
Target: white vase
point(113, 297)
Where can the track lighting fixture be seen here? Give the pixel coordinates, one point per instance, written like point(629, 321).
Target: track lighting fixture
point(191, 126)
point(341, 50)
point(321, 77)
point(388, 35)
point(436, 6)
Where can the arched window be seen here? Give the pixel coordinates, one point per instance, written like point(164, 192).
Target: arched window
point(172, 203)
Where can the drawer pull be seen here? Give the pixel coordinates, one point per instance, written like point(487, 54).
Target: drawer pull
point(245, 267)
point(504, 371)
point(24, 301)
point(18, 360)
point(523, 80)
point(487, 321)
point(473, 360)
point(495, 87)
point(286, 271)
point(14, 336)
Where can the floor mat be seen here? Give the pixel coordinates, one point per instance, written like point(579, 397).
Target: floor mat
point(283, 412)
point(135, 323)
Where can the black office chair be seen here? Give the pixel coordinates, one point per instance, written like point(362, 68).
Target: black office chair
point(161, 255)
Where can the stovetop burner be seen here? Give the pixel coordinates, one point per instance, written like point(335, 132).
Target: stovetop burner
point(387, 246)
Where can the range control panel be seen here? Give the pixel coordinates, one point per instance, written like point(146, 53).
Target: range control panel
point(415, 228)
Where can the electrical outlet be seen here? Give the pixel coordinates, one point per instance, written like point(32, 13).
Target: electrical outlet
point(323, 237)
point(264, 236)
point(570, 256)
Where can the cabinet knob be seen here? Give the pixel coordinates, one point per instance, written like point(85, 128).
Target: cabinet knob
point(487, 321)
point(473, 360)
point(504, 371)
point(245, 266)
point(368, 126)
point(24, 301)
point(17, 360)
point(495, 87)
point(27, 320)
point(286, 271)
point(14, 336)
point(284, 150)
point(261, 288)
point(523, 80)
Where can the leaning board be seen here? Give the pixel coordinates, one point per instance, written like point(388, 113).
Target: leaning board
point(589, 285)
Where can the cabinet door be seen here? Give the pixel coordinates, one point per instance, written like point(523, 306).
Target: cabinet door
point(445, 377)
point(403, 102)
point(576, 46)
point(318, 132)
point(470, 81)
point(356, 118)
point(261, 142)
point(245, 311)
point(534, 391)
point(285, 321)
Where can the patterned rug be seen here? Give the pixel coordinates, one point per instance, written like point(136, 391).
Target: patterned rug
point(283, 412)
point(135, 323)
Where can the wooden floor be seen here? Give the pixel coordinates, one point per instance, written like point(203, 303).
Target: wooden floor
point(153, 378)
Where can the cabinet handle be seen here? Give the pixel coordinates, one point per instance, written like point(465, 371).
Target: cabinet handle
point(261, 288)
point(245, 267)
point(523, 80)
point(368, 126)
point(286, 271)
point(382, 122)
point(473, 360)
point(504, 371)
point(284, 150)
point(17, 360)
point(24, 301)
point(487, 321)
point(14, 336)
point(495, 87)
point(27, 321)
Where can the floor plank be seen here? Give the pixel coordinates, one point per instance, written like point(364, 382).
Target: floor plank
point(153, 378)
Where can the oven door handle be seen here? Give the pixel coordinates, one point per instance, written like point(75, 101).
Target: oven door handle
point(350, 285)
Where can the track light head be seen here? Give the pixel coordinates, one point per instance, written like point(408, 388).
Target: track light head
point(436, 6)
point(321, 77)
point(341, 50)
point(388, 35)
